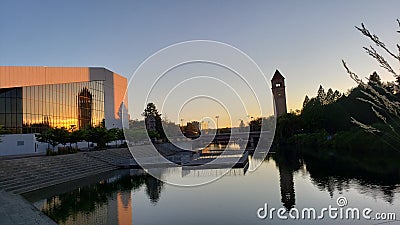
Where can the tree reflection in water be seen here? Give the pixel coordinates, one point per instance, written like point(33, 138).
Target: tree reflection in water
point(334, 174)
point(331, 174)
point(90, 198)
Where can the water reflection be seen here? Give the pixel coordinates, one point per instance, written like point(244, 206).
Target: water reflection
point(153, 188)
point(106, 202)
point(334, 174)
point(116, 199)
point(287, 163)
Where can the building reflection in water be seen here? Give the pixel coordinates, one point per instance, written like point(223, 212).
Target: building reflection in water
point(110, 200)
point(106, 202)
point(124, 208)
point(287, 163)
point(116, 211)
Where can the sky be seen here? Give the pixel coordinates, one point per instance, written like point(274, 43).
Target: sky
point(306, 40)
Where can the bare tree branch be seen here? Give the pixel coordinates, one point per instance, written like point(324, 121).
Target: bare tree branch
point(382, 61)
point(376, 40)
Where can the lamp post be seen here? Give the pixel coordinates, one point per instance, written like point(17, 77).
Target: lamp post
point(217, 117)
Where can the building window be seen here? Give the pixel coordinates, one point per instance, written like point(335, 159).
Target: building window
point(84, 108)
point(34, 109)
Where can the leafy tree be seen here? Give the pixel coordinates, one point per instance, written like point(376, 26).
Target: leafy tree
point(98, 135)
point(48, 136)
point(192, 130)
point(116, 134)
point(112, 134)
point(262, 123)
point(61, 135)
point(54, 136)
point(255, 124)
point(120, 135)
point(288, 124)
point(77, 136)
point(312, 115)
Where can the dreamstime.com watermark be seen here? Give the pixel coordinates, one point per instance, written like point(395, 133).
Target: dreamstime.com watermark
point(339, 212)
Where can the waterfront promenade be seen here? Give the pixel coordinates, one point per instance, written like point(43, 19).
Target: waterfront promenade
point(26, 174)
point(23, 175)
point(20, 175)
point(14, 209)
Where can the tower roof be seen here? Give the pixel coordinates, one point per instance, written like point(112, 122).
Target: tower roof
point(277, 76)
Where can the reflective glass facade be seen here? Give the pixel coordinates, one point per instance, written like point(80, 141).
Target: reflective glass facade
point(32, 109)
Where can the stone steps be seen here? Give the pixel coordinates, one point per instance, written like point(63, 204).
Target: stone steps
point(34, 174)
point(27, 174)
point(25, 181)
point(54, 169)
point(30, 188)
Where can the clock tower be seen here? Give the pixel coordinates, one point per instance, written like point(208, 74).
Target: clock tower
point(278, 91)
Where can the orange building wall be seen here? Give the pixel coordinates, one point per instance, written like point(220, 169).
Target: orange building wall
point(20, 76)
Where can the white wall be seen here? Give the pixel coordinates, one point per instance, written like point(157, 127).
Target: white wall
point(16, 144)
point(114, 91)
point(12, 145)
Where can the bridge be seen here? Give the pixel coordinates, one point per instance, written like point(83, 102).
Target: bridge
point(244, 139)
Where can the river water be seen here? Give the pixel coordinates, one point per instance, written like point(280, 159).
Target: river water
point(284, 180)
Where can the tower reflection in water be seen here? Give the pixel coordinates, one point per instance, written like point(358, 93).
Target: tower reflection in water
point(112, 200)
point(287, 163)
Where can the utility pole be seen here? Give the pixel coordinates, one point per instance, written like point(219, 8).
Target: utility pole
point(217, 117)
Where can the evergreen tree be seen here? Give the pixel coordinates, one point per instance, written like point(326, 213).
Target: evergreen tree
point(329, 97)
point(151, 110)
point(336, 95)
point(306, 101)
point(321, 96)
point(374, 79)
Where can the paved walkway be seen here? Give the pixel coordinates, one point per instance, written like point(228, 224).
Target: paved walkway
point(16, 210)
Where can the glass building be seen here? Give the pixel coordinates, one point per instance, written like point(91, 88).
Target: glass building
point(35, 98)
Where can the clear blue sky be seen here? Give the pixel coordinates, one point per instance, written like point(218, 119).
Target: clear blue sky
point(305, 39)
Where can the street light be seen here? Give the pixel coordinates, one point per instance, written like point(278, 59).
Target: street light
point(217, 117)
